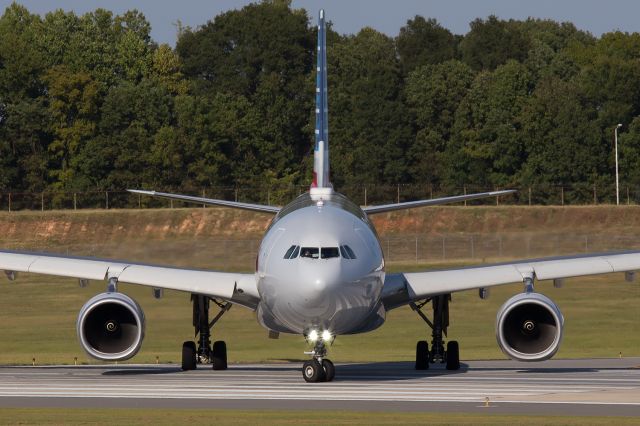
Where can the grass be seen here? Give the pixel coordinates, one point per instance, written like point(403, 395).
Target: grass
point(59, 416)
point(38, 313)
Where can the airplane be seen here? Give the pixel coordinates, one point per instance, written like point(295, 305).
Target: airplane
point(320, 273)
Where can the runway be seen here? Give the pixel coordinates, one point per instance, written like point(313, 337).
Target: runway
point(564, 387)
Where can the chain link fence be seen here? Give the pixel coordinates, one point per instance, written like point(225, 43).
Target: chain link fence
point(419, 249)
point(573, 194)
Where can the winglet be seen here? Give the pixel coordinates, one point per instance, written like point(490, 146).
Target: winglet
point(321, 151)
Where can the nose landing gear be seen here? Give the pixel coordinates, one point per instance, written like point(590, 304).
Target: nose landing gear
point(319, 368)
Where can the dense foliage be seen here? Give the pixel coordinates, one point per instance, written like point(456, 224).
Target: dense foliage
point(91, 102)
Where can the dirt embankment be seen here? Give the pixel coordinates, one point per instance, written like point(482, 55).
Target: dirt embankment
point(103, 226)
point(510, 219)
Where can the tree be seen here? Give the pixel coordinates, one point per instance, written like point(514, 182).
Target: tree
point(261, 54)
point(434, 93)
point(561, 137)
point(486, 145)
point(73, 113)
point(629, 154)
point(493, 42)
point(424, 42)
point(369, 126)
point(131, 116)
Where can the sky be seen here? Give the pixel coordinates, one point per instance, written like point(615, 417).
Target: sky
point(387, 16)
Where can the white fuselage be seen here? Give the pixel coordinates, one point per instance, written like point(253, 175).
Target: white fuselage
point(322, 287)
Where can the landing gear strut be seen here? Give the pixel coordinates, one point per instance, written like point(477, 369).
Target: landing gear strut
point(318, 368)
point(450, 356)
point(205, 353)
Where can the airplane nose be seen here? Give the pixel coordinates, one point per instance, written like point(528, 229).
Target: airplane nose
point(320, 285)
point(317, 282)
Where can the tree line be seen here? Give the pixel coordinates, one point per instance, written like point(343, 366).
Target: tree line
point(91, 102)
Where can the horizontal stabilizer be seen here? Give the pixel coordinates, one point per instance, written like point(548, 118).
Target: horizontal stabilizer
point(209, 201)
point(434, 201)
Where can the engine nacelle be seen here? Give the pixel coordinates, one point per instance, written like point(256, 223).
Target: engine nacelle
point(529, 327)
point(111, 327)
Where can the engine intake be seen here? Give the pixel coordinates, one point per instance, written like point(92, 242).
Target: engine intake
point(529, 327)
point(110, 327)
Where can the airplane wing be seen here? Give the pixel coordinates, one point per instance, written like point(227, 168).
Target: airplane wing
point(434, 202)
point(234, 287)
point(209, 201)
point(402, 288)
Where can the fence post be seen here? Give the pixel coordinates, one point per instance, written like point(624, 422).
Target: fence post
point(269, 196)
point(628, 202)
point(497, 199)
point(473, 249)
point(529, 195)
point(236, 192)
point(10, 199)
point(106, 200)
point(398, 194)
point(431, 191)
point(75, 205)
point(388, 250)
point(595, 194)
point(42, 201)
point(464, 192)
point(365, 195)
point(204, 206)
point(562, 195)
point(139, 201)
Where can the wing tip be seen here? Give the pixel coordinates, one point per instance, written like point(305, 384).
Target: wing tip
point(141, 191)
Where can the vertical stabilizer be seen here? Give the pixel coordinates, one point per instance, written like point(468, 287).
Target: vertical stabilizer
point(321, 152)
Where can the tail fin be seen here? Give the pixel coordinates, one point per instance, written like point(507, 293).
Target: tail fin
point(321, 152)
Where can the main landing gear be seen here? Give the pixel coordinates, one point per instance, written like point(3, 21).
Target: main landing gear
point(450, 356)
point(318, 368)
point(205, 353)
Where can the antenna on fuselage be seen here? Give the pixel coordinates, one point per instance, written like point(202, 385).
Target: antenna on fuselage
point(321, 184)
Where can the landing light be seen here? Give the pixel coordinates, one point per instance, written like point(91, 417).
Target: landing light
point(313, 335)
point(326, 335)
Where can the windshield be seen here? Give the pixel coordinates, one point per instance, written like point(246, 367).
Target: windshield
point(329, 252)
point(292, 253)
point(309, 252)
point(347, 253)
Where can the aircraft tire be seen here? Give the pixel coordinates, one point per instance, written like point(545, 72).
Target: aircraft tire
point(422, 355)
point(329, 370)
point(188, 356)
point(312, 371)
point(219, 355)
point(453, 355)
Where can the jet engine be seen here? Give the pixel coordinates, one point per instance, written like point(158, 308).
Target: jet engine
point(110, 327)
point(529, 327)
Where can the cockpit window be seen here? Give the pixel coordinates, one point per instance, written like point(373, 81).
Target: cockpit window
point(347, 253)
point(329, 252)
point(309, 252)
point(292, 253)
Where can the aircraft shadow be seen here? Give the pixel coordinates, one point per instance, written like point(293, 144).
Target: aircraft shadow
point(371, 371)
point(142, 371)
point(401, 370)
